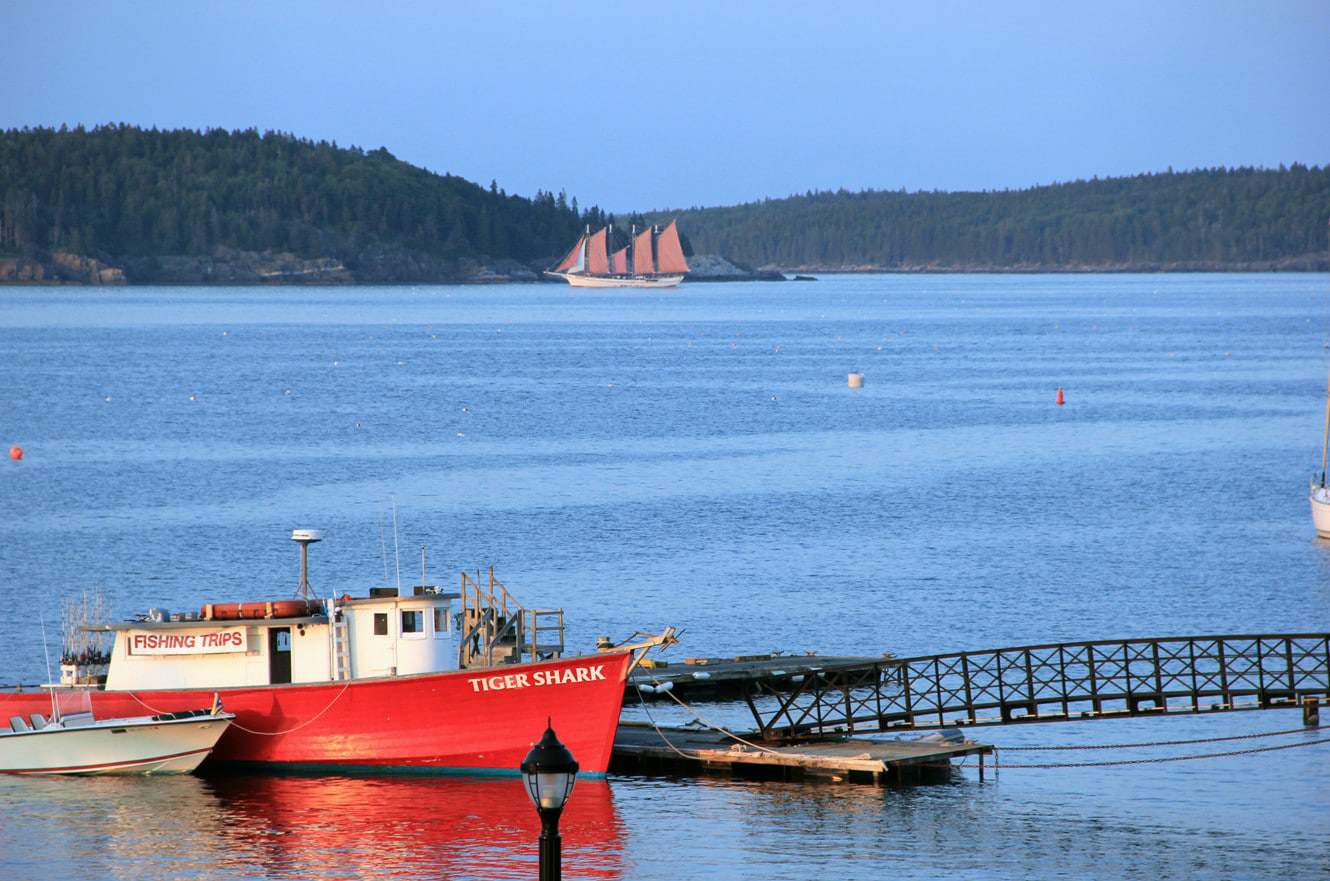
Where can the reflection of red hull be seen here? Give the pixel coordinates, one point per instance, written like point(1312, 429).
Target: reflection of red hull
point(478, 721)
point(407, 827)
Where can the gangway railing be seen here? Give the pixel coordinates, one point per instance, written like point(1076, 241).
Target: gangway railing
point(497, 629)
point(1057, 682)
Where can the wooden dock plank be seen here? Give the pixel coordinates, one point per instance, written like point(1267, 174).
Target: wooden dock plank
point(639, 745)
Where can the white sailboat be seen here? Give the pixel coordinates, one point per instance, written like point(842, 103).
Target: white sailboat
point(1319, 494)
point(652, 259)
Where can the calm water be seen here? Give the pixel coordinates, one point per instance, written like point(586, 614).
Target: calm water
point(694, 459)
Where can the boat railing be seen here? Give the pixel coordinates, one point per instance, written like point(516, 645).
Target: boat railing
point(497, 629)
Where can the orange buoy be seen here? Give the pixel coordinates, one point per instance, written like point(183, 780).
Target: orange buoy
point(1061, 398)
point(16, 453)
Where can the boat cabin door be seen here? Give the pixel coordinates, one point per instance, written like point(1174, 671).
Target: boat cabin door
point(279, 655)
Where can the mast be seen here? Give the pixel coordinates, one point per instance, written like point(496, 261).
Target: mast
point(1325, 446)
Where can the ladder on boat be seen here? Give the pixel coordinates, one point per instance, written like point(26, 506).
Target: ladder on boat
point(341, 642)
point(496, 629)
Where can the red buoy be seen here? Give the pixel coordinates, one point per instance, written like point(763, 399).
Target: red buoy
point(16, 453)
point(1061, 398)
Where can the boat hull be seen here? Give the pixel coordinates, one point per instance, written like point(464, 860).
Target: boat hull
point(469, 721)
point(1320, 502)
point(619, 281)
point(115, 746)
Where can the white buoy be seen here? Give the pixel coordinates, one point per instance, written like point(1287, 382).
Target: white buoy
point(856, 380)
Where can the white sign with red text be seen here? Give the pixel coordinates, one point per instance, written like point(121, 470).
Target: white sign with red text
point(187, 642)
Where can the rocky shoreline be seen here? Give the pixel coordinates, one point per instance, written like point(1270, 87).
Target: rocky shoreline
point(1305, 263)
point(380, 266)
point(393, 266)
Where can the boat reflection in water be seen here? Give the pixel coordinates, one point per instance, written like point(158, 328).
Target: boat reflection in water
point(391, 827)
point(280, 826)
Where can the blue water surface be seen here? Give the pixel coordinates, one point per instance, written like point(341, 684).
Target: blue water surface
point(693, 458)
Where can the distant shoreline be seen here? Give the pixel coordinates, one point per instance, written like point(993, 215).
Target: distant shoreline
point(59, 283)
point(1307, 266)
point(250, 269)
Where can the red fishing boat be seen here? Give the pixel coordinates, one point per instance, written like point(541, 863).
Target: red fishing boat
point(393, 681)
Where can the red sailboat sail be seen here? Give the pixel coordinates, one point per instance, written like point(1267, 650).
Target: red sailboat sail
point(669, 252)
point(572, 259)
point(597, 259)
point(644, 263)
point(619, 261)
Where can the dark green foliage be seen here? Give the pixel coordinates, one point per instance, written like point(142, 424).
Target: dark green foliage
point(1212, 217)
point(122, 191)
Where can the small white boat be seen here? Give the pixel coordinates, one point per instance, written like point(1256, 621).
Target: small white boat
point(1320, 500)
point(170, 743)
point(1319, 494)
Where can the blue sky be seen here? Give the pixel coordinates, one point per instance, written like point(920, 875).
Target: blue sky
point(673, 104)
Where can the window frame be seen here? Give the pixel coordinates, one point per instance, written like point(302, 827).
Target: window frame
point(419, 632)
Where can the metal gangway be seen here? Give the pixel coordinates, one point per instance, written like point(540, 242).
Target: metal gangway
point(1057, 682)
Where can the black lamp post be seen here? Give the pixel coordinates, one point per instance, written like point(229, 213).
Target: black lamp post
point(549, 772)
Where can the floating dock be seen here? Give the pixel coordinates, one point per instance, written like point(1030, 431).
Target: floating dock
point(641, 747)
point(739, 676)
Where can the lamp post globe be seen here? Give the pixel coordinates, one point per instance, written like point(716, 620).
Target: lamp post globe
point(548, 773)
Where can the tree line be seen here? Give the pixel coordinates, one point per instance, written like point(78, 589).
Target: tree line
point(1214, 217)
point(121, 191)
point(124, 191)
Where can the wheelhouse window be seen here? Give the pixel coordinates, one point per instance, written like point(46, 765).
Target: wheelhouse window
point(440, 623)
point(380, 623)
point(413, 623)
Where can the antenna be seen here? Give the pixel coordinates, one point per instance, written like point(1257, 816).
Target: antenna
point(46, 652)
point(423, 579)
point(383, 545)
point(397, 554)
point(305, 537)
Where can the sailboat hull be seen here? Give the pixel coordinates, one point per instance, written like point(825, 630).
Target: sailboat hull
point(618, 281)
point(1320, 502)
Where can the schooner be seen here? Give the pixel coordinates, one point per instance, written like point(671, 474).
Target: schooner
point(652, 259)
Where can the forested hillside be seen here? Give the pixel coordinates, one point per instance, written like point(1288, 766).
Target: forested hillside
point(144, 198)
point(1208, 219)
point(120, 203)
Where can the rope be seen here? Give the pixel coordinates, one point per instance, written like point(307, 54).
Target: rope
point(712, 725)
point(1154, 761)
point(1031, 749)
point(705, 721)
point(234, 724)
point(660, 733)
